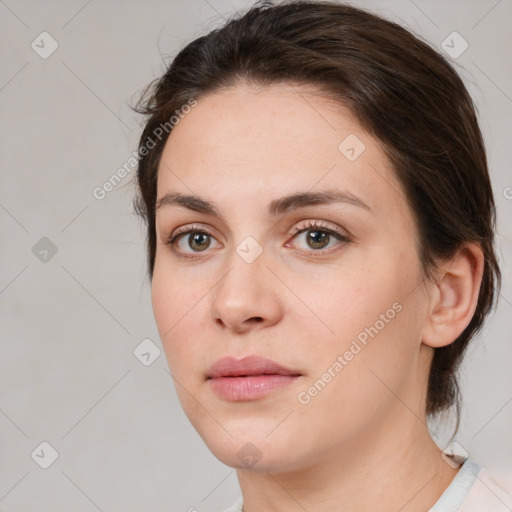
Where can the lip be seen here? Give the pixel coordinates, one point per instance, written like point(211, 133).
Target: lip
point(249, 378)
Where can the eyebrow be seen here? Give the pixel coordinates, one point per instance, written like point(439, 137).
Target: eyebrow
point(275, 207)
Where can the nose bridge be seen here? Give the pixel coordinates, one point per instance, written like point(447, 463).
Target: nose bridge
point(246, 269)
point(246, 290)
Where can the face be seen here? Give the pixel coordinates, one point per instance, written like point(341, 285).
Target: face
point(298, 247)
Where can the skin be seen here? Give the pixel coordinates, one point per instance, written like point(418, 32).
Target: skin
point(362, 442)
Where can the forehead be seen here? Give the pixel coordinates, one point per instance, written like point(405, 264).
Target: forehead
point(269, 141)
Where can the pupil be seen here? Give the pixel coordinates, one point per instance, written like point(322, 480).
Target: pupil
point(318, 238)
point(200, 239)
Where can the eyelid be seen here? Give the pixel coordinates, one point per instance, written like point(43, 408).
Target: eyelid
point(310, 224)
point(186, 229)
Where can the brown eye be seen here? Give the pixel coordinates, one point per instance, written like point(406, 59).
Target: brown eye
point(199, 241)
point(317, 239)
point(189, 242)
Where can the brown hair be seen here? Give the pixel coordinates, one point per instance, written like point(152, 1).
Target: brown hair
point(403, 92)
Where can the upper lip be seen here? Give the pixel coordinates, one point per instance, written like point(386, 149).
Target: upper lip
point(249, 365)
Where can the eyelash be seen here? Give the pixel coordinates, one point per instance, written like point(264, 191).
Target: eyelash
point(301, 228)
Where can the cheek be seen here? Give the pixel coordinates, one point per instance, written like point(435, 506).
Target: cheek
point(356, 374)
point(368, 317)
point(176, 315)
point(342, 307)
point(176, 307)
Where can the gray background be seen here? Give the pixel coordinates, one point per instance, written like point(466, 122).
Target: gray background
point(71, 320)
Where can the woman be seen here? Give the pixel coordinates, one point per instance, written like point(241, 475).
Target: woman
point(320, 244)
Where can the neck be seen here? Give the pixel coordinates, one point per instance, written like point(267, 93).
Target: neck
point(388, 468)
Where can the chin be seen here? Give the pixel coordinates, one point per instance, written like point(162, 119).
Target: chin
point(253, 451)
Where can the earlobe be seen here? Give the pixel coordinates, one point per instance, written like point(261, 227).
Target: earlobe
point(455, 297)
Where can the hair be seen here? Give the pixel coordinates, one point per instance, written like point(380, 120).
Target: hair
point(403, 93)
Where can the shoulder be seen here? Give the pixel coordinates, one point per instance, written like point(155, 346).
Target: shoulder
point(236, 507)
point(474, 489)
point(488, 493)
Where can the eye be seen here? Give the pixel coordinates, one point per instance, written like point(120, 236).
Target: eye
point(194, 238)
point(318, 236)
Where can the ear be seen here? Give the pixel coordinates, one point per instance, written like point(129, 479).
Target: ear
point(455, 296)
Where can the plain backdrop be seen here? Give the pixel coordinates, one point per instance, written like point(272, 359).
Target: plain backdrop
point(74, 296)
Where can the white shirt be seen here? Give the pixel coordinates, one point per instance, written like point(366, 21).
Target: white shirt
point(472, 490)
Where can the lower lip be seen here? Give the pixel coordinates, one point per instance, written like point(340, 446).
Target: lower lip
point(249, 388)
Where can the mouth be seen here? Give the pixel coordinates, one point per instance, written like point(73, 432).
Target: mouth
point(249, 378)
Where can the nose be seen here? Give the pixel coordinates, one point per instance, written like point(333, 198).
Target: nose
point(247, 297)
